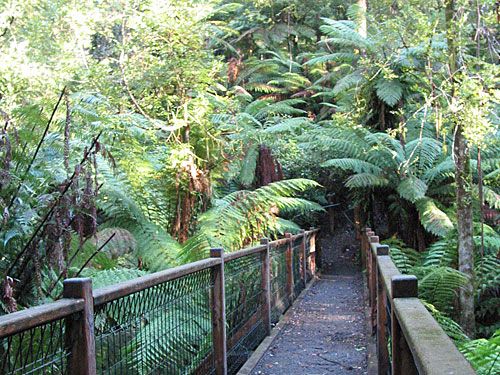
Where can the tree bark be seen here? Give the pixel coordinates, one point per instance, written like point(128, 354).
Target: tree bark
point(463, 180)
point(362, 28)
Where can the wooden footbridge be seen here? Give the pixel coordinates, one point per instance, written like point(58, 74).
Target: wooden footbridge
point(208, 317)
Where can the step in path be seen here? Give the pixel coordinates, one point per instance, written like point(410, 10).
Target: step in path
point(325, 332)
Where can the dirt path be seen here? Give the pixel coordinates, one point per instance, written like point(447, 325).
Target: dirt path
point(325, 332)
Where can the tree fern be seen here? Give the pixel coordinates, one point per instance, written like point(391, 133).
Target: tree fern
point(249, 163)
point(335, 57)
point(343, 33)
point(245, 216)
point(288, 125)
point(412, 188)
point(347, 82)
point(432, 218)
point(389, 91)
point(354, 165)
point(366, 180)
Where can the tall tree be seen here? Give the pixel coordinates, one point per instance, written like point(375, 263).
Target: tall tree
point(362, 27)
point(463, 179)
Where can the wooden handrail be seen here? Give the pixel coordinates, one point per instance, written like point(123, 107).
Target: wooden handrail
point(244, 252)
point(433, 351)
point(125, 288)
point(24, 320)
point(387, 270)
point(419, 344)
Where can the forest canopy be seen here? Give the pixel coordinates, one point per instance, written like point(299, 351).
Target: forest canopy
point(137, 135)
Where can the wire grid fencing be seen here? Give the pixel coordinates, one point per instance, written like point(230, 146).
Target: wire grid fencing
point(297, 265)
point(39, 350)
point(244, 302)
point(308, 237)
point(280, 300)
point(388, 330)
point(167, 328)
point(164, 329)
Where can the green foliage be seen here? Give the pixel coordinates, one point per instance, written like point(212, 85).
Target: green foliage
point(483, 354)
point(451, 327)
point(432, 218)
point(243, 217)
point(390, 91)
point(103, 278)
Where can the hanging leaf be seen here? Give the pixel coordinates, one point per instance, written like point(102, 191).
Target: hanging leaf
point(389, 91)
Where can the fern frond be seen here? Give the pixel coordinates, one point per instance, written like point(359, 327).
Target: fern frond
point(337, 56)
point(365, 180)
point(354, 165)
point(452, 328)
point(483, 354)
point(440, 285)
point(247, 171)
point(389, 91)
point(432, 218)
point(412, 189)
point(288, 125)
point(491, 197)
point(348, 82)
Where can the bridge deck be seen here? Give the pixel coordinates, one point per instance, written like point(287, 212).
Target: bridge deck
point(325, 332)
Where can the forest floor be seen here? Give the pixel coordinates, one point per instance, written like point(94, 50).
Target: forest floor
point(325, 332)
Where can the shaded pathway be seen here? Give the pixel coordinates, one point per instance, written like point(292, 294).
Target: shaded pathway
point(325, 332)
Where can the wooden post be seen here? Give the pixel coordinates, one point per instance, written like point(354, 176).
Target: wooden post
point(382, 350)
point(312, 253)
point(357, 221)
point(364, 241)
point(289, 267)
point(379, 250)
point(219, 313)
point(369, 270)
point(266, 286)
point(304, 257)
point(403, 286)
point(79, 335)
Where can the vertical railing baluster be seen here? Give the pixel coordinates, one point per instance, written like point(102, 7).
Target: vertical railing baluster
point(304, 257)
point(364, 241)
point(218, 300)
point(403, 286)
point(79, 333)
point(289, 268)
point(266, 286)
point(312, 252)
point(381, 316)
point(369, 269)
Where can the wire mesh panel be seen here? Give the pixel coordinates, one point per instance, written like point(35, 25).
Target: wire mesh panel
point(39, 350)
point(279, 298)
point(298, 281)
point(165, 329)
point(388, 331)
point(307, 239)
point(244, 303)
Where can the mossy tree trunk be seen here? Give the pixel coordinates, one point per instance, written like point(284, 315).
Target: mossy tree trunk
point(463, 180)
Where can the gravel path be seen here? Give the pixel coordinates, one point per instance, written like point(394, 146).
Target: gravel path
point(325, 332)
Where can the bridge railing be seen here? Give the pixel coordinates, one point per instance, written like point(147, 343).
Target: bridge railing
point(409, 340)
point(204, 317)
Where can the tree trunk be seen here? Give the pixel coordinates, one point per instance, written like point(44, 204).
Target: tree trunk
point(463, 179)
point(465, 232)
point(362, 28)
